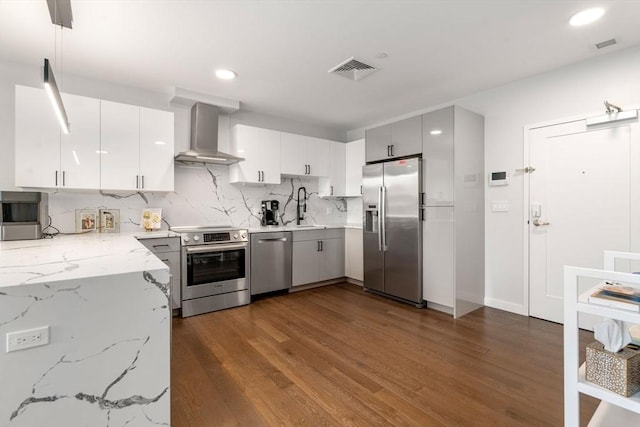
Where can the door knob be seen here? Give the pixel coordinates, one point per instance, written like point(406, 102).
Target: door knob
point(538, 223)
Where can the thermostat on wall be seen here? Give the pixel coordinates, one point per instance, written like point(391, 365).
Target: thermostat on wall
point(498, 178)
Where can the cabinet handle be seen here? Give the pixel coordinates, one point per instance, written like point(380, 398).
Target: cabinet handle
point(391, 150)
point(262, 172)
point(64, 178)
point(137, 181)
point(318, 246)
point(321, 246)
point(142, 181)
point(423, 215)
point(56, 178)
point(388, 151)
point(361, 190)
point(331, 190)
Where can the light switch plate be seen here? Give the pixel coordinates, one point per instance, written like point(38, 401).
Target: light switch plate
point(500, 206)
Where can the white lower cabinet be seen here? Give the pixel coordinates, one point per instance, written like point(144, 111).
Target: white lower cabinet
point(438, 254)
point(318, 255)
point(353, 261)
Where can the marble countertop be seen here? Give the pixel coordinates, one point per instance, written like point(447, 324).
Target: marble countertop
point(76, 256)
point(276, 228)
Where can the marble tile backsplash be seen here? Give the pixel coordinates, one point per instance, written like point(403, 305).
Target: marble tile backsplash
point(202, 196)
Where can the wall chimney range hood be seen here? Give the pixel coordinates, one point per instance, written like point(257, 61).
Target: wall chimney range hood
point(204, 138)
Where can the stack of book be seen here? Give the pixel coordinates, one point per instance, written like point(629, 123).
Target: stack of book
point(617, 296)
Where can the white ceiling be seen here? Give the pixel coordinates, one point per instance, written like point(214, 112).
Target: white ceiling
point(281, 50)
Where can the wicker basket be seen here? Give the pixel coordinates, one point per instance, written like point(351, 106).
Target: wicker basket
point(618, 372)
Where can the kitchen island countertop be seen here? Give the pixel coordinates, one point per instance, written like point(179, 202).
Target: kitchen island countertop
point(76, 256)
point(103, 300)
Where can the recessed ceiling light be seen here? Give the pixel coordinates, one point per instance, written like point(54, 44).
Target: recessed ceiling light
point(381, 55)
point(435, 132)
point(159, 142)
point(586, 17)
point(225, 74)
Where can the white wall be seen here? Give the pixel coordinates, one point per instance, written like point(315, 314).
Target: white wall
point(567, 92)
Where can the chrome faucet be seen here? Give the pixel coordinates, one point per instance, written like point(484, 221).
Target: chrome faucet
point(300, 216)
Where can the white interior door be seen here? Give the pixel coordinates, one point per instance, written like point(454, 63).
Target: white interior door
point(584, 196)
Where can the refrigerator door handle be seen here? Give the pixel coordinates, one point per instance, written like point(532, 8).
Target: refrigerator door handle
point(379, 219)
point(383, 217)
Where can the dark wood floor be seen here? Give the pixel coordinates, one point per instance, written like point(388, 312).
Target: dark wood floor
point(337, 356)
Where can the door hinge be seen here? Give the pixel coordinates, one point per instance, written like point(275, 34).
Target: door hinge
point(528, 169)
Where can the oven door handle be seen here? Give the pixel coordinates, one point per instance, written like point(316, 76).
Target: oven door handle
point(216, 248)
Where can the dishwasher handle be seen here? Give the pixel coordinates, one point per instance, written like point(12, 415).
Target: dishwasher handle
point(282, 239)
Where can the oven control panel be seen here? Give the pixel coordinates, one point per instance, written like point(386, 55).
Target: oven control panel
point(214, 237)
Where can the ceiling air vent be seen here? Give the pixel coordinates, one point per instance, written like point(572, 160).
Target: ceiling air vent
point(353, 69)
point(606, 43)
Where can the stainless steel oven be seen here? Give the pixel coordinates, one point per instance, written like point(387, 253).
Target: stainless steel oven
point(215, 268)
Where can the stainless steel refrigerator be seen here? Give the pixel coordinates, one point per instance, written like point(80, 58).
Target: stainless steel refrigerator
point(392, 193)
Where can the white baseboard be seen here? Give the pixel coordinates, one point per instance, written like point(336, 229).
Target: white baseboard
point(506, 306)
point(354, 281)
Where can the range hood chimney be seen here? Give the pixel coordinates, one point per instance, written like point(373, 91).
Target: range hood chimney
point(204, 138)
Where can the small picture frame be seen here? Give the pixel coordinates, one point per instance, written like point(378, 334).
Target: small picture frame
point(151, 219)
point(86, 220)
point(109, 220)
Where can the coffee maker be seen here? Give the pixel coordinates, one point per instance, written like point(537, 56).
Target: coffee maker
point(270, 212)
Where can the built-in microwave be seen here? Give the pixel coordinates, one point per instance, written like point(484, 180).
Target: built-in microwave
point(20, 215)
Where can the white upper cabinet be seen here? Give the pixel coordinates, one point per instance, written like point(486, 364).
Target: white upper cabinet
point(354, 162)
point(399, 139)
point(120, 142)
point(110, 145)
point(156, 149)
point(260, 149)
point(79, 150)
point(437, 157)
point(319, 156)
point(338, 169)
point(37, 139)
point(334, 184)
point(293, 154)
point(45, 156)
point(304, 155)
point(130, 158)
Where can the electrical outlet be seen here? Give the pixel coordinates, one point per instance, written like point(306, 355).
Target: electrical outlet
point(20, 340)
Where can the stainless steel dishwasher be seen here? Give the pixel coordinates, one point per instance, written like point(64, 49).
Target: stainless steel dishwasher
point(270, 262)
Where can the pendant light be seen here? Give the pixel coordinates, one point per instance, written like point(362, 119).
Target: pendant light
point(54, 96)
point(60, 12)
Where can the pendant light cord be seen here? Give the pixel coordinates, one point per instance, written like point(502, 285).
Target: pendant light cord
point(55, 47)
